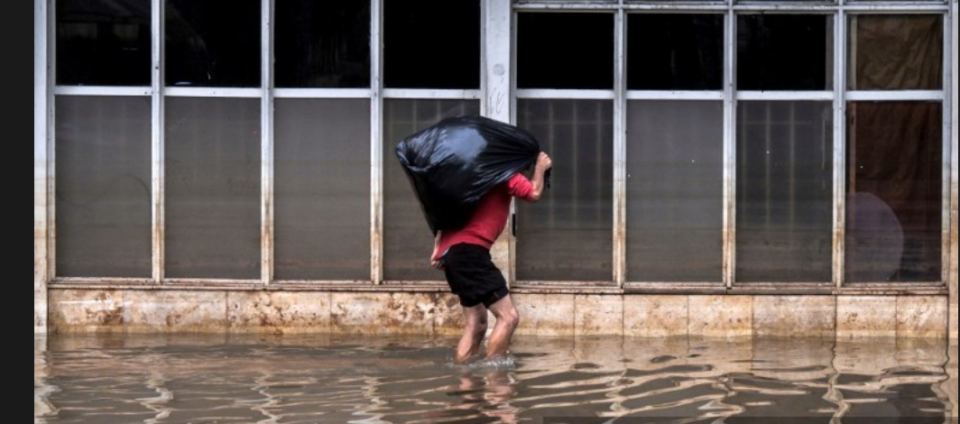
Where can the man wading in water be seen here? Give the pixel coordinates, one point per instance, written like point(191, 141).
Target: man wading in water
point(464, 256)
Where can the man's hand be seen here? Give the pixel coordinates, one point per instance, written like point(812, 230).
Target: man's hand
point(544, 162)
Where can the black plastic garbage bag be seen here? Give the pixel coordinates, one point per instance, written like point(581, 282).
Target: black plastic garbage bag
point(452, 164)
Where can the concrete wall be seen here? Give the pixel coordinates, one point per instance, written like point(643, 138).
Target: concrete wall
point(436, 313)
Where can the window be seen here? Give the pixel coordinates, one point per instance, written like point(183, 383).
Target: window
point(694, 144)
point(207, 47)
point(894, 191)
point(784, 52)
point(675, 52)
point(431, 44)
point(103, 42)
point(784, 191)
point(323, 43)
point(567, 235)
point(322, 189)
point(896, 52)
point(675, 191)
point(213, 188)
point(103, 187)
point(565, 50)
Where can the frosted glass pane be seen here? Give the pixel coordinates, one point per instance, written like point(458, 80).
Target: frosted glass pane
point(213, 188)
point(784, 191)
point(103, 219)
point(568, 235)
point(322, 189)
point(675, 191)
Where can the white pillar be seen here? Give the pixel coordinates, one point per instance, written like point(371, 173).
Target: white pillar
point(497, 99)
point(41, 108)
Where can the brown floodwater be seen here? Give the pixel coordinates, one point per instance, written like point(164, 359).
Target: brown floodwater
point(113, 379)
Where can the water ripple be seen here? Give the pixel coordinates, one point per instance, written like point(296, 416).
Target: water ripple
point(366, 381)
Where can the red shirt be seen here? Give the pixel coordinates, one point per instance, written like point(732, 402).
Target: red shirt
point(490, 217)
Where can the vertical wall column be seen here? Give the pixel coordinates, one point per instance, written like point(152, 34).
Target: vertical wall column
point(496, 100)
point(266, 143)
point(376, 146)
point(157, 182)
point(41, 176)
point(729, 150)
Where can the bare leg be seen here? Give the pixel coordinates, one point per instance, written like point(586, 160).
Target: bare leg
point(507, 320)
point(474, 329)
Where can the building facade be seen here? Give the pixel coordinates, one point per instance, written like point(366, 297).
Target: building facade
point(722, 168)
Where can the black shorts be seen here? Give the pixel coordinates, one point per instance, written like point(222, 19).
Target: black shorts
point(473, 276)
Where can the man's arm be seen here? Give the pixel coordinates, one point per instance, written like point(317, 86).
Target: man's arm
point(544, 163)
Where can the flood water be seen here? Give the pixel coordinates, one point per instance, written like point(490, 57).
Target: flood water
point(102, 379)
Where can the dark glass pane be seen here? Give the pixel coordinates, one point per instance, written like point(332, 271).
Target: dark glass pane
point(212, 188)
point(675, 52)
point(322, 43)
point(103, 42)
point(431, 44)
point(565, 50)
point(784, 52)
point(213, 43)
point(103, 179)
point(894, 191)
point(675, 191)
point(407, 240)
point(322, 189)
point(568, 235)
point(784, 191)
point(896, 52)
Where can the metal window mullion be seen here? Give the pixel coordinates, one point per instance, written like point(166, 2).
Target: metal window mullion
point(674, 95)
point(730, 151)
point(839, 147)
point(42, 143)
point(320, 93)
point(785, 95)
point(537, 93)
point(214, 92)
point(948, 148)
point(420, 94)
point(619, 152)
point(51, 165)
point(157, 139)
point(954, 85)
point(79, 90)
point(266, 143)
point(896, 95)
point(512, 99)
point(376, 146)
